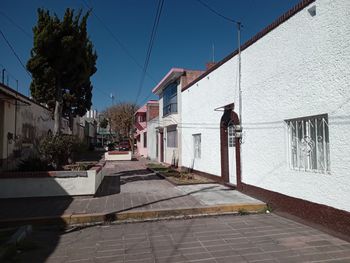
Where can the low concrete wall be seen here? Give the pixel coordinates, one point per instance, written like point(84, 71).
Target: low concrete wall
point(118, 156)
point(57, 183)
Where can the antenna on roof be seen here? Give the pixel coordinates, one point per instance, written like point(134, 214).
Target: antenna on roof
point(213, 50)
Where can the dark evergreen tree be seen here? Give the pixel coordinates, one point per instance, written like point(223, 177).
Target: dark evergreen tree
point(62, 61)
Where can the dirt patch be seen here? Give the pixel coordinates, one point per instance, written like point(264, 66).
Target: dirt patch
point(176, 177)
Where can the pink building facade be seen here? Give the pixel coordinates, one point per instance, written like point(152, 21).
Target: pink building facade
point(147, 112)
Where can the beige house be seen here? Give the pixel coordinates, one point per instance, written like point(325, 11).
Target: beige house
point(23, 122)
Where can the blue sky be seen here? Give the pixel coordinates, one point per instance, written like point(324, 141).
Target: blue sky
point(186, 33)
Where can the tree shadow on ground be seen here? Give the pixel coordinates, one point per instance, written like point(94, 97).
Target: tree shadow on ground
point(134, 172)
point(45, 240)
point(136, 178)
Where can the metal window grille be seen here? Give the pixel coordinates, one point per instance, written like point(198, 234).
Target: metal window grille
point(197, 145)
point(231, 136)
point(308, 140)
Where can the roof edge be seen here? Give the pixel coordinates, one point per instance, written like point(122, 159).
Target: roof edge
point(280, 20)
point(168, 75)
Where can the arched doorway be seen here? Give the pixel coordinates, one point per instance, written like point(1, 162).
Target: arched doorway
point(230, 146)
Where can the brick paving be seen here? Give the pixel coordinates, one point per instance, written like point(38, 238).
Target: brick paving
point(127, 186)
point(259, 238)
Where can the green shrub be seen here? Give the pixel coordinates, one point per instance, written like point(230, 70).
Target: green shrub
point(60, 149)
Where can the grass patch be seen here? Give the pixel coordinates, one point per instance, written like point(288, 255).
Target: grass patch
point(176, 177)
point(158, 167)
point(243, 212)
point(182, 178)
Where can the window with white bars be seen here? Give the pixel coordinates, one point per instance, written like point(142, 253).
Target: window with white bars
point(231, 136)
point(197, 145)
point(308, 140)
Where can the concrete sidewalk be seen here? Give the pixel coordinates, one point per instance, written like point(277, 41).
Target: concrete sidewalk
point(129, 191)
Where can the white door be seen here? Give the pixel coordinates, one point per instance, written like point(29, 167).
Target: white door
point(232, 155)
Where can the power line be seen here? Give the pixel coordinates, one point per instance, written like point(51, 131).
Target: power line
point(16, 25)
point(216, 12)
point(14, 53)
point(117, 40)
point(150, 46)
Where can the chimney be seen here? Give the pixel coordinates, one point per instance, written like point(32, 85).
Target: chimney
point(209, 65)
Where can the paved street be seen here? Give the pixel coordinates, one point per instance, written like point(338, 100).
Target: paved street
point(127, 186)
point(253, 238)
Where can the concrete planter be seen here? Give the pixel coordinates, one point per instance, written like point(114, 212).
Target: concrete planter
point(118, 156)
point(52, 183)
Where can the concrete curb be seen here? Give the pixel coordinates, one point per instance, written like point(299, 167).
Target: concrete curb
point(83, 219)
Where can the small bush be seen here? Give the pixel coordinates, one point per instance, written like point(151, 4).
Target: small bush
point(60, 149)
point(186, 176)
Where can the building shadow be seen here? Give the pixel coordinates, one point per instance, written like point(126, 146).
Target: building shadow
point(35, 211)
point(110, 185)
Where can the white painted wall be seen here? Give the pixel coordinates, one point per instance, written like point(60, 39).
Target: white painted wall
point(299, 69)
point(33, 122)
point(152, 137)
point(50, 186)
point(198, 116)
point(141, 150)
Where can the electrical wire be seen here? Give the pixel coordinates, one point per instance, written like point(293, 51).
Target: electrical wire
point(216, 12)
point(150, 46)
point(14, 53)
point(116, 39)
point(16, 25)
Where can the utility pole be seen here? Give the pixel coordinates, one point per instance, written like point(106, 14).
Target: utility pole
point(213, 51)
point(16, 103)
point(3, 76)
point(112, 98)
point(239, 25)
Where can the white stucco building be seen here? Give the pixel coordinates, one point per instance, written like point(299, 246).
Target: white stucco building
point(169, 92)
point(296, 124)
